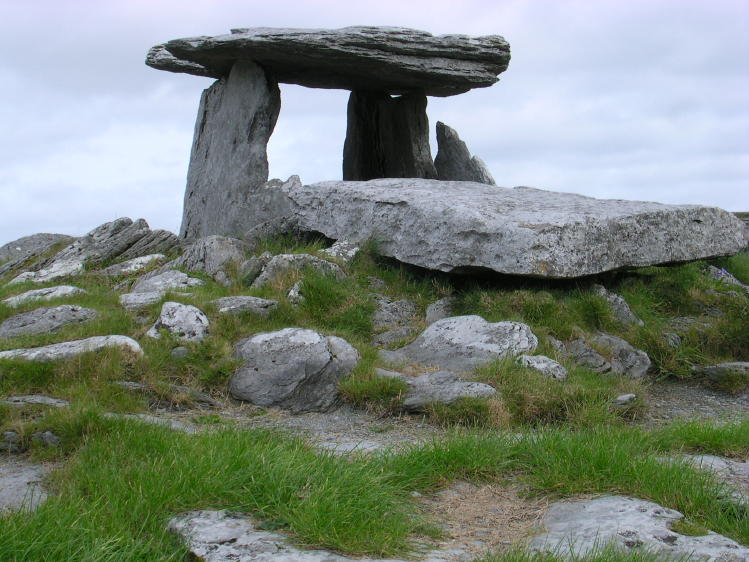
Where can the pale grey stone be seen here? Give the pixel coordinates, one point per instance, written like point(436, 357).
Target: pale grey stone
point(625, 359)
point(183, 321)
point(716, 373)
point(155, 242)
point(442, 387)
point(619, 306)
point(45, 320)
point(21, 485)
point(11, 442)
point(577, 528)
point(454, 162)
point(388, 59)
point(166, 281)
point(194, 395)
point(66, 350)
point(28, 246)
point(229, 160)
point(625, 399)
point(393, 313)
point(544, 365)
point(673, 340)
point(133, 301)
point(251, 268)
point(48, 293)
point(342, 250)
point(132, 265)
point(54, 271)
point(440, 309)
point(286, 263)
point(294, 368)
point(243, 303)
point(392, 336)
point(46, 438)
point(520, 231)
point(35, 400)
point(295, 296)
point(585, 356)
point(174, 425)
point(212, 255)
point(462, 343)
point(725, 277)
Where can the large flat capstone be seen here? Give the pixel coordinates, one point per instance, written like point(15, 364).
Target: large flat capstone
point(457, 226)
point(386, 59)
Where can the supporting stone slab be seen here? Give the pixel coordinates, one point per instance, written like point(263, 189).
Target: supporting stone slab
point(387, 137)
point(236, 117)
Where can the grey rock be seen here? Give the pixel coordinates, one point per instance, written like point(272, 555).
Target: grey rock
point(48, 293)
point(342, 250)
point(393, 313)
point(167, 281)
point(28, 246)
point(133, 301)
point(155, 242)
point(544, 365)
point(295, 296)
point(46, 438)
point(295, 369)
point(11, 442)
point(392, 337)
point(521, 231)
point(585, 356)
point(725, 277)
point(183, 321)
point(21, 485)
point(576, 528)
point(241, 303)
point(179, 352)
point(673, 340)
point(721, 371)
point(34, 400)
point(462, 343)
point(389, 59)
point(45, 320)
point(440, 309)
point(54, 271)
point(212, 255)
point(236, 117)
point(625, 399)
point(251, 268)
point(376, 284)
point(625, 359)
point(286, 263)
point(454, 162)
point(387, 137)
point(619, 306)
point(442, 387)
point(66, 350)
point(174, 425)
point(132, 265)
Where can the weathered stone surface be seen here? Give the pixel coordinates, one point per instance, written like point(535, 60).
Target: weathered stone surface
point(725, 277)
point(585, 356)
point(295, 369)
point(544, 365)
point(242, 303)
point(462, 343)
point(387, 137)
point(440, 309)
point(174, 425)
point(390, 59)
point(392, 313)
point(11, 442)
point(212, 254)
point(26, 246)
point(452, 226)
point(625, 399)
point(392, 336)
point(168, 281)
point(176, 390)
point(285, 263)
point(295, 296)
point(625, 359)
point(576, 528)
point(132, 265)
point(251, 268)
point(54, 271)
point(155, 242)
point(236, 117)
point(342, 250)
point(133, 301)
point(35, 399)
point(21, 485)
point(48, 293)
point(723, 371)
point(619, 307)
point(454, 162)
point(442, 387)
point(45, 320)
point(46, 438)
point(183, 321)
point(69, 349)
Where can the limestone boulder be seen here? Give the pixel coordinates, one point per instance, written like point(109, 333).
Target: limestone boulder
point(441, 387)
point(183, 321)
point(45, 320)
point(462, 343)
point(544, 365)
point(242, 303)
point(454, 162)
point(171, 280)
point(286, 263)
point(66, 350)
point(48, 293)
point(212, 255)
point(625, 360)
point(294, 368)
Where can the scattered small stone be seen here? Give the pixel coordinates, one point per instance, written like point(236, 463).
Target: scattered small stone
point(45, 320)
point(625, 359)
point(46, 438)
point(673, 340)
point(48, 293)
point(619, 306)
point(625, 399)
point(35, 399)
point(342, 250)
point(393, 313)
point(295, 296)
point(183, 321)
point(242, 303)
point(180, 352)
point(131, 266)
point(544, 365)
point(174, 425)
point(66, 350)
point(440, 309)
point(285, 263)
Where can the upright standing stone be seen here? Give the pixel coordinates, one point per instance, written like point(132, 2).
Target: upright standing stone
point(387, 137)
point(236, 117)
point(454, 161)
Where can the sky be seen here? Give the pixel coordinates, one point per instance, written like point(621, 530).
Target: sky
point(635, 99)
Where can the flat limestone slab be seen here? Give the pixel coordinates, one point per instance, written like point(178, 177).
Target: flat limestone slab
point(457, 226)
point(388, 59)
point(21, 485)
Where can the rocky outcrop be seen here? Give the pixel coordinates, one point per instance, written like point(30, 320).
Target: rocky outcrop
point(48, 293)
point(168, 281)
point(391, 313)
point(454, 162)
point(295, 369)
point(283, 264)
point(236, 117)
point(133, 265)
point(155, 242)
point(618, 357)
point(578, 528)
point(462, 343)
point(183, 321)
point(66, 350)
point(241, 303)
point(387, 59)
point(27, 246)
point(544, 365)
point(45, 320)
point(387, 137)
point(212, 255)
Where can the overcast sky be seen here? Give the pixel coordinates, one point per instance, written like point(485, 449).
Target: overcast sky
point(635, 99)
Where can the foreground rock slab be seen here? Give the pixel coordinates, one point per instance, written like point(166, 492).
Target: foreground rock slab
point(21, 485)
point(578, 527)
point(48, 293)
point(35, 400)
point(66, 350)
point(457, 226)
point(45, 320)
point(462, 343)
point(294, 368)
